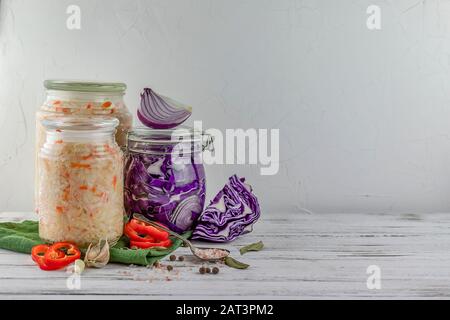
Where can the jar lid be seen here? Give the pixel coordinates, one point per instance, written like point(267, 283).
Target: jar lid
point(83, 124)
point(85, 86)
point(140, 136)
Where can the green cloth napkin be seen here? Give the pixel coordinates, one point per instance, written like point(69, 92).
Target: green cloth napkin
point(23, 236)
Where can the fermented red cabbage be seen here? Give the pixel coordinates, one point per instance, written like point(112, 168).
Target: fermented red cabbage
point(231, 213)
point(171, 192)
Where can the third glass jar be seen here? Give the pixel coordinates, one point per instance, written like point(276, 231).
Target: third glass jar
point(164, 175)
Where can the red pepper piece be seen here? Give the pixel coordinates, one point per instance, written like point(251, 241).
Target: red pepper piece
point(38, 253)
point(147, 245)
point(61, 254)
point(143, 228)
point(136, 236)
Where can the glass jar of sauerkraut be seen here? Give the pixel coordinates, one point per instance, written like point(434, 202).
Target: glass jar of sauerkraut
point(67, 99)
point(80, 181)
point(164, 175)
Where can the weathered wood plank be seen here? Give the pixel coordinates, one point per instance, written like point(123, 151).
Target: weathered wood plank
point(305, 256)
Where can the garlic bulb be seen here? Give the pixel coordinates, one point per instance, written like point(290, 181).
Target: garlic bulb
point(97, 256)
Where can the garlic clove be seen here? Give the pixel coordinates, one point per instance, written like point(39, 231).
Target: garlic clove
point(97, 256)
point(79, 266)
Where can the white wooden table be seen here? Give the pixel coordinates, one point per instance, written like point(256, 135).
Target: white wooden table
point(306, 256)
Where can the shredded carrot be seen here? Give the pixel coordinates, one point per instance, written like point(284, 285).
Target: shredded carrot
point(89, 156)
point(106, 104)
point(103, 196)
point(59, 209)
point(94, 189)
point(59, 141)
point(66, 193)
point(112, 111)
point(61, 109)
point(77, 165)
point(114, 182)
point(109, 149)
point(100, 194)
point(84, 187)
point(88, 106)
point(58, 130)
point(57, 102)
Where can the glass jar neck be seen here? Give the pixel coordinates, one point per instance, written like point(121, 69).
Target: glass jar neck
point(79, 129)
point(184, 140)
point(94, 137)
point(83, 96)
point(103, 102)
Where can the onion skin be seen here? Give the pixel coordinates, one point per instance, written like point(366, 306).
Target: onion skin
point(159, 112)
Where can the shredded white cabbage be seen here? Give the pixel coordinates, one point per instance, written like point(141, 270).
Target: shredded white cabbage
point(80, 191)
point(76, 107)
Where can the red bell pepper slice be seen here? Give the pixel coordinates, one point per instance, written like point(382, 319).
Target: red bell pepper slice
point(136, 236)
point(38, 253)
point(61, 254)
point(143, 228)
point(147, 245)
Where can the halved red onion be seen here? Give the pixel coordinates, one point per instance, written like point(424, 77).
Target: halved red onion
point(159, 112)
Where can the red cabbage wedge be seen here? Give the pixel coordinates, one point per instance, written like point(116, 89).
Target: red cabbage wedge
point(159, 112)
point(231, 213)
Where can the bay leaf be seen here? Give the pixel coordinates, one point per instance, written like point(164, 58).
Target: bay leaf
point(252, 247)
point(233, 263)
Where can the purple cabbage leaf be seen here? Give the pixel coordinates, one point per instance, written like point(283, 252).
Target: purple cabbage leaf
point(231, 213)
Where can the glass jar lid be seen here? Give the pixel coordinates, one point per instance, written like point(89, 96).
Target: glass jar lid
point(146, 140)
point(85, 86)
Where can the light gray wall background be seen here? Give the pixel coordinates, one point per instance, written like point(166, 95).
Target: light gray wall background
point(364, 115)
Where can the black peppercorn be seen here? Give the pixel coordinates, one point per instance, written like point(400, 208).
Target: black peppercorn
point(215, 270)
point(202, 270)
point(173, 257)
point(180, 258)
point(208, 270)
point(169, 268)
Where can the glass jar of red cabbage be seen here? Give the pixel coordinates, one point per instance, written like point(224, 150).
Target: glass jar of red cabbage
point(164, 175)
